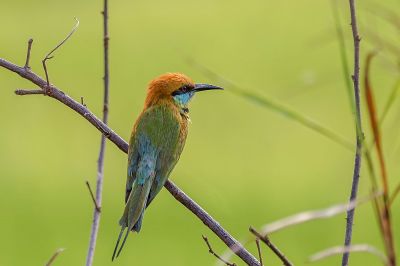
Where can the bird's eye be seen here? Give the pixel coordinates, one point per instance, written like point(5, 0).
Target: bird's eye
point(183, 89)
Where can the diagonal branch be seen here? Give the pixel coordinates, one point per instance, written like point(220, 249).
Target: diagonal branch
point(60, 96)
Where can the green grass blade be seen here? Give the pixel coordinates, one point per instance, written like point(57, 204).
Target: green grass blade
point(343, 56)
point(390, 101)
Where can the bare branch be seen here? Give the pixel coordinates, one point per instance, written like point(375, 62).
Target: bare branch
point(50, 56)
point(53, 92)
point(215, 254)
point(267, 241)
point(100, 161)
point(359, 131)
point(353, 248)
point(55, 255)
point(98, 208)
point(28, 92)
point(28, 53)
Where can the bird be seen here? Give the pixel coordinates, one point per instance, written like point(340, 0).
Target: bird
point(156, 143)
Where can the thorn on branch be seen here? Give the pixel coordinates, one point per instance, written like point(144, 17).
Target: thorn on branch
point(28, 92)
point(50, 56)
point(28, 54)
point(269, 244)
point(215, 254)
point(98, 208)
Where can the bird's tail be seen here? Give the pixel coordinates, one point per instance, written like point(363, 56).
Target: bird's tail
point(133, 213)
point(119, 239)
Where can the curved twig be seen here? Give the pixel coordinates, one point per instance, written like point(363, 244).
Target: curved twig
point(49, 55)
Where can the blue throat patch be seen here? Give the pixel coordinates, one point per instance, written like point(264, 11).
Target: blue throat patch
point(183, 99)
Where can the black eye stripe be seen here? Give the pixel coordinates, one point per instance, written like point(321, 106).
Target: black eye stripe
point(183, 89)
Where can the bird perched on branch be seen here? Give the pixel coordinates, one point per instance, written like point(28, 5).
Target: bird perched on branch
point(156, 143)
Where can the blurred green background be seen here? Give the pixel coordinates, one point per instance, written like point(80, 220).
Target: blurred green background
point(245, 164)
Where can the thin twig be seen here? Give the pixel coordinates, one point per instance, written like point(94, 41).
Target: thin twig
point(53, 92)
point(359, 131)
point(100, 161)
point(267, 241)
point(215, 254)
point(55, 255)
point(353, 248)
point(259, 251)
point(28, 53)
point(49, 55)
point(28, 92)
point(98, 208)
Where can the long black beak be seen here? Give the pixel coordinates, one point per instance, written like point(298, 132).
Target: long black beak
point(205, 87)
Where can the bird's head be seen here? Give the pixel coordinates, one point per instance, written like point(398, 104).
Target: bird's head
point(175, 88)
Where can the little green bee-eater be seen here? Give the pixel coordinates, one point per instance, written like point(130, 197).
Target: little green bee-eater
point(156, 143)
